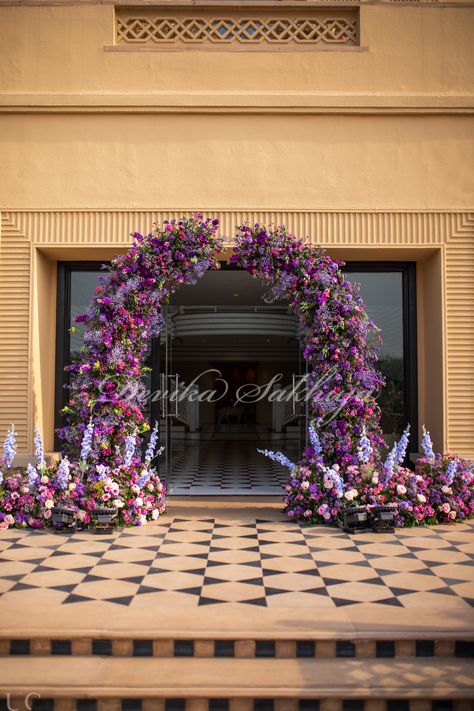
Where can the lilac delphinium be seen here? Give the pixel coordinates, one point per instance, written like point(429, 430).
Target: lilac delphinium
point(150, 450)
point(333, 474)
point(33, 476)
point(130, 444)
point(62, 475)
point(144, 479)
point(389, 463)
point(402, 446)
point(9, 447)
point(451, 471)
point(365, 449)
point(87, 441)
point(102, 471)
point(39, 451)
point(86, 446)
point(278, 457)
point(314, 440)
point(427, 444)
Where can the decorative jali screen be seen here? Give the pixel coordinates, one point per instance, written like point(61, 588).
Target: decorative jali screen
point(231, 27)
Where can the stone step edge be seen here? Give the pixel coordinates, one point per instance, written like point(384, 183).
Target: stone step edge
point(105, 645)
point(219, 678)
point(237, 704)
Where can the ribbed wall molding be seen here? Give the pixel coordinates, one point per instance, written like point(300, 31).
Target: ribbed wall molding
point(460, 337)
point(15, 290)
point(455, 230)
point(113, 227)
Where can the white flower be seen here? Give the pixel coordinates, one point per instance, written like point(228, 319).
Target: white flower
point(139, 501)
point(328, 483)
point(135, 488)
point(44, 479)
point(336, 467)
point(351, 494)
point(72, 486)
point(446, 490)
point(118, 503)
point(143, 520)
point(155, 514)
point(9, 520)
point(375, 479)
point(49, 503)
point(421, 498)
point(150, 487)
point(305, 485)
point(159, 487)
point(114, 488)
point(401, 489)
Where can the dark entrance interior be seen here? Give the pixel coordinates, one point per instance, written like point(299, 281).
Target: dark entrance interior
point(224, 352)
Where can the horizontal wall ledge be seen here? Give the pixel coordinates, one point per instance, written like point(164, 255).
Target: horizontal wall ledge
point(236, 102)
point(247, 3)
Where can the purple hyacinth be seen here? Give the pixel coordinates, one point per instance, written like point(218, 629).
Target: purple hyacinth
point(278, 457)
point(314, 440)
point(130, 444)
point(9, 447)
point(402, 445)
point(427, 444)
point(62, 475)
point(365, 449)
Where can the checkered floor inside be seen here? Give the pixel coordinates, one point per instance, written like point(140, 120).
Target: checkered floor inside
point(228, 467)
point(270, 563)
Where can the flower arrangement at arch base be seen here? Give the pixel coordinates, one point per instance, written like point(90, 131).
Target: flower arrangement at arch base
point(132, 490)
point(440, 489)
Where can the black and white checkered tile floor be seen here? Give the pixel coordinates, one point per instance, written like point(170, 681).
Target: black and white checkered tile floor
point(270, 563)
point(228, 467)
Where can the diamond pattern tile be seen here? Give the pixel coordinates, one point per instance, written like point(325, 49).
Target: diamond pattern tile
point(241, 559)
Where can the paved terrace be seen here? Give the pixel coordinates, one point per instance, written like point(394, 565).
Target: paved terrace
point(218, 570)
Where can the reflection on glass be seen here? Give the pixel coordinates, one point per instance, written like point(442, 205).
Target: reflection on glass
point(382, 293)
point(82, 290)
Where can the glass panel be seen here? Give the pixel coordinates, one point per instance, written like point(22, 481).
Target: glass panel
point(383, 296)
point(82, 290)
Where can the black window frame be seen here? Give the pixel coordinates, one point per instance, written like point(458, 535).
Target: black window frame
point(410, 348)
point(410, 335)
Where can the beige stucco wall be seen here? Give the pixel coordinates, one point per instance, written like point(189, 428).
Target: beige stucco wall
point(368, 151)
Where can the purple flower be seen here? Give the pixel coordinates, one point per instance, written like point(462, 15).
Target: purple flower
point(365, 449)
point(9, 447)
point(278, 457)
point(427, 444)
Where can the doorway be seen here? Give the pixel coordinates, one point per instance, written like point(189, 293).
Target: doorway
point(225, 368)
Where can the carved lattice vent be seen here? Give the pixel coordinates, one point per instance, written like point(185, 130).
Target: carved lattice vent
point(204, 27)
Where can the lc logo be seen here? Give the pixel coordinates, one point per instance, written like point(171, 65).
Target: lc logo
point(27, 701)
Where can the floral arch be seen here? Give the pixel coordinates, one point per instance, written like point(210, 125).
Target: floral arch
point(338, 337)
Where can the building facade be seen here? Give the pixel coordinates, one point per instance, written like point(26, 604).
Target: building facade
point(349, 122)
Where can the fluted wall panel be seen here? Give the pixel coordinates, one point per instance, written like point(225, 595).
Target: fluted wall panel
point(328, 228)
point(15, 290)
